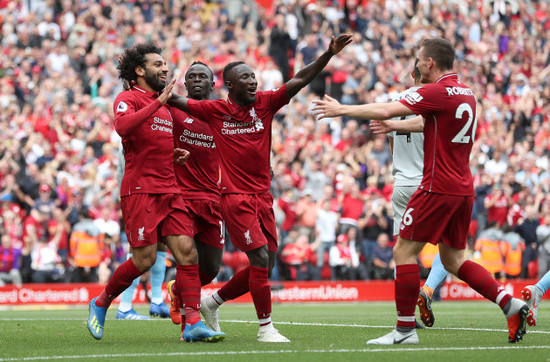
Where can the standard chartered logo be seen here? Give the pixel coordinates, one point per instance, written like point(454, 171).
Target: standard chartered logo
point(197, 139)
point(162, 125)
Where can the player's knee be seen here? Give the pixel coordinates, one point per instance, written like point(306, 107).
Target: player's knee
point(451, 265)
point(259, 257)
point(144, 262)
point(210, 268)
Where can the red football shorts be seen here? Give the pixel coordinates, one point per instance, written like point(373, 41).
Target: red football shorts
point(145, 214)
point(204, 217)
point(250, 220)
point(432, 218)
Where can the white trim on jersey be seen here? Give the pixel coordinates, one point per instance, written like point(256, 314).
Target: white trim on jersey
point(408, 152)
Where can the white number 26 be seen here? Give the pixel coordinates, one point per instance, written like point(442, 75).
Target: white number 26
point(461, 135)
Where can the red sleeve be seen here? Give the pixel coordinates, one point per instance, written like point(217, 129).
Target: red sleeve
point(278, 98)
point(127, 118)
point(198, 109)
point(424, 100)
point(283, 205)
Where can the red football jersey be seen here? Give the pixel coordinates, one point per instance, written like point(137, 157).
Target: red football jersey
point(243, 138)
point(449, 110)
point(199, 176)
point(146, 128)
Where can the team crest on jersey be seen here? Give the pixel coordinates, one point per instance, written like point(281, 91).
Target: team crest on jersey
point(122, 107)
point(413, 98)
point(257, 120)
point(253, 115)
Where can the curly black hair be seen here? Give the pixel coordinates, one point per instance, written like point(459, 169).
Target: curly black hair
point(133, 57)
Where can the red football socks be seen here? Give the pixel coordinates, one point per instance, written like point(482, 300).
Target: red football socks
point(480, 280)
point(237, 286)
point(260, 291)
point(188, 287)
point(122, 278)
point(407, 286)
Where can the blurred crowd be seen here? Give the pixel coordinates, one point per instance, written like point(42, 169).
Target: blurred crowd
point(332, 179)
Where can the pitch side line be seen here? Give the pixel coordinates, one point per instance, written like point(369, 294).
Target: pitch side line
point(530, 331)
point(372, 326)
point(223, 353)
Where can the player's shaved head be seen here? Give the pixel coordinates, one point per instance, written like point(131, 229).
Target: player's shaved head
point(198, 63)
point(227, 71)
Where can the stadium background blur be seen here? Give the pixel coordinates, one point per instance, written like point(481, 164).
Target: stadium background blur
point(58, 154)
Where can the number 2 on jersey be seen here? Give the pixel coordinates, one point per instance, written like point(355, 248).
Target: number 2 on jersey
point(461, 135)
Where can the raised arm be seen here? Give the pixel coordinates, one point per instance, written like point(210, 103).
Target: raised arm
point(306, 74)
point(329, 107)
point(415, 124)
point(127, 123)
point(179, 102)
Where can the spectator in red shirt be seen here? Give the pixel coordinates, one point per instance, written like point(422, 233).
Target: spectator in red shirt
point(287, 205)
point(497, 204)
point(59, 227)
point(352, 208)
point(295, 257)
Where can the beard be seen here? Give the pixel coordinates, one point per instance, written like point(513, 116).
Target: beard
point(153, 81)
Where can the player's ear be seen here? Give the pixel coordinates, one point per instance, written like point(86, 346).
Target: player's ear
point(140, 71)
point(431, 63)
point(228, 84)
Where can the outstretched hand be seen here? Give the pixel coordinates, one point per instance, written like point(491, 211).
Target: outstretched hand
point(380, 127)
point(181, 156)
point(327, 107)
point(336, 45)
point(167, 93)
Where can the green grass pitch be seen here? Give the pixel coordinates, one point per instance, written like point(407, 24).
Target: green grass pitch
point(463, 331)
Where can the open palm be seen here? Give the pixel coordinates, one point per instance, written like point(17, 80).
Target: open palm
point(336, 45)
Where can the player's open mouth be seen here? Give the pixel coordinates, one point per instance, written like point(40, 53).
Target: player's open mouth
point(163, 78)
point(252, 91)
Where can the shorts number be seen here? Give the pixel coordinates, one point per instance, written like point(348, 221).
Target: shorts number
point(221, 230)
point(407, 218)
point(461, 135)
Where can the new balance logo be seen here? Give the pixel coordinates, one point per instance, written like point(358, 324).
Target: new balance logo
point(188, 120)
point(140, 233)
point(413, 98)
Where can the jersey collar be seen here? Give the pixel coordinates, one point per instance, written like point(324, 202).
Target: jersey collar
point(445, 76)
point(144, 91)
